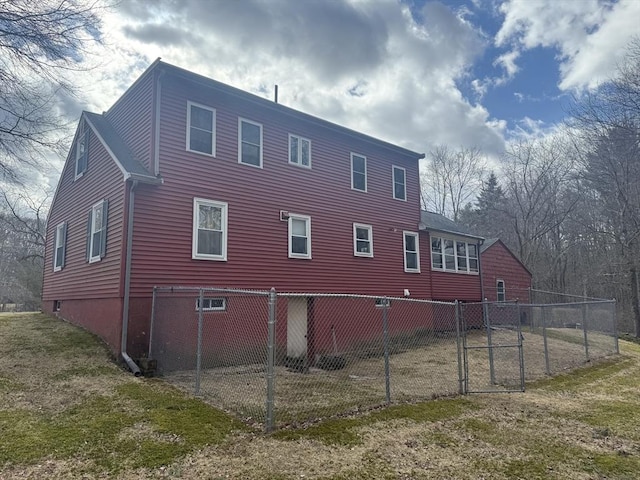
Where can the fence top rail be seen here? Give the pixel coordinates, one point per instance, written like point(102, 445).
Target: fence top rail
point(211, 289)
point(570, 304)
point(355, 295)
point(569, 295)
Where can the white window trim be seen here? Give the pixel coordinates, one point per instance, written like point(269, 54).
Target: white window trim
point(307, 219)
point(240, 121)
point(194, 233)
point(213, 129)
point(299, 164)
point(365, 173)
point(404, 251)
point(393, 182)
point(369, 228)
point(223, 308)
point(504, 290)
point(98, 206)
point(455, 240)
point(59, 239)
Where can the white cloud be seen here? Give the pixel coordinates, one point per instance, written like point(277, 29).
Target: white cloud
point(403, 66)
point(508, 62)
point(589, 35)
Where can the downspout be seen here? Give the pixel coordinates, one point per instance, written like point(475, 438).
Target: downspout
point(127, 286)
point(479, 244)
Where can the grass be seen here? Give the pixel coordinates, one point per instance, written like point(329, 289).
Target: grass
point(67, 411)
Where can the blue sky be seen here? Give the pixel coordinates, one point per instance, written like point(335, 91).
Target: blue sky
point(462, 73)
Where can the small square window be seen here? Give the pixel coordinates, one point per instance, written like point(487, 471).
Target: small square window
point(362, 240)
point(299, 151)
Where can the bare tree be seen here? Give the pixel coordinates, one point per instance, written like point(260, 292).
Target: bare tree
point(452, 179)
point(40, 43)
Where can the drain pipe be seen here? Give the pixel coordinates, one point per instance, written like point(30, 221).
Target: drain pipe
point(127, 286)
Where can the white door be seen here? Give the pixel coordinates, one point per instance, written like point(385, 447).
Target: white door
point(297, 327)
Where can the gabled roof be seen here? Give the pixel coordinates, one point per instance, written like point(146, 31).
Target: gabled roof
point(493, 241)
point(434, 222)
point(167, 68)
point(130, 166)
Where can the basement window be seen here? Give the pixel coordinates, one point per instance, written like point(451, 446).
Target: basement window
point(216, 304)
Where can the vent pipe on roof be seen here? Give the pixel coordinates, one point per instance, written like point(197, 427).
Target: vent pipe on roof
point(276, 94)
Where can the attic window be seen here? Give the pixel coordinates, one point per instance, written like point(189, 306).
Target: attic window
point(81, 150)
point(201, 129)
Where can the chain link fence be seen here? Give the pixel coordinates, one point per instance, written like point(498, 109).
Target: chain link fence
point(276, 358)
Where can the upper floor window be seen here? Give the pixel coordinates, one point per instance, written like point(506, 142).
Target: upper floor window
point(60, 246)
point(453, 255)
point(358, 172)
point(362, 240)
point(299, 236)
point(399, 183)
point(209, 230)
point(249, 143)
point(411, 252)
point(201, 129)
point(299, 151)
point(81, 150)
point(97, 231)
point(501, 293)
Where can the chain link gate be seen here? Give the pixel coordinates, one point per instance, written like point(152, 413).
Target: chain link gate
point(493, 357)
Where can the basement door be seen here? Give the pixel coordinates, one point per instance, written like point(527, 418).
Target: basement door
point(297, 327)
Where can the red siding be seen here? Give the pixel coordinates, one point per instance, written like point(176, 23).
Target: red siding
point(499, 263)
point(257, 243)
point(72, 203)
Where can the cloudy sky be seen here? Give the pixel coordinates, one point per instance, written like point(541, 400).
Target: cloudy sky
point(415, 73)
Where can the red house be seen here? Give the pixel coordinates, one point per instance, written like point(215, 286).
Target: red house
point(187, 181)
point(504, 277)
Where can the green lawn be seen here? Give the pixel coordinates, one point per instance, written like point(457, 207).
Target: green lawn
point(67, 411)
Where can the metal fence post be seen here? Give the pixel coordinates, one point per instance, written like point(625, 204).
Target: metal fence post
point(459, 347)
point(585, 316)
point(153, 318)
point(615, 325)
point(520, 348)
point(271, 360)
point(385, 339)
point(199, 346)
point(544, 337)
point(485, 312)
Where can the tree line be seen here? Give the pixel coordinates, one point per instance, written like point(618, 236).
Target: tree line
point(567, 204)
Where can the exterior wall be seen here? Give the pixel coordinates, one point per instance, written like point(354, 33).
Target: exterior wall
point(499, 263)
point(450, 286)
point(80, 281)
point(258, 239)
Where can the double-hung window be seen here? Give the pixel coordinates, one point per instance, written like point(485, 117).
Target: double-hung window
point(501, 293)
point(358, 172)
point(249, 143)
point(299, 236)
point(411, 252)
point(60, 246)
point(399, 183)
point(81, 150)
point(209, 230)
point(362, 240)
point(97, 231)
point(299, 151)
point(201, 129)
